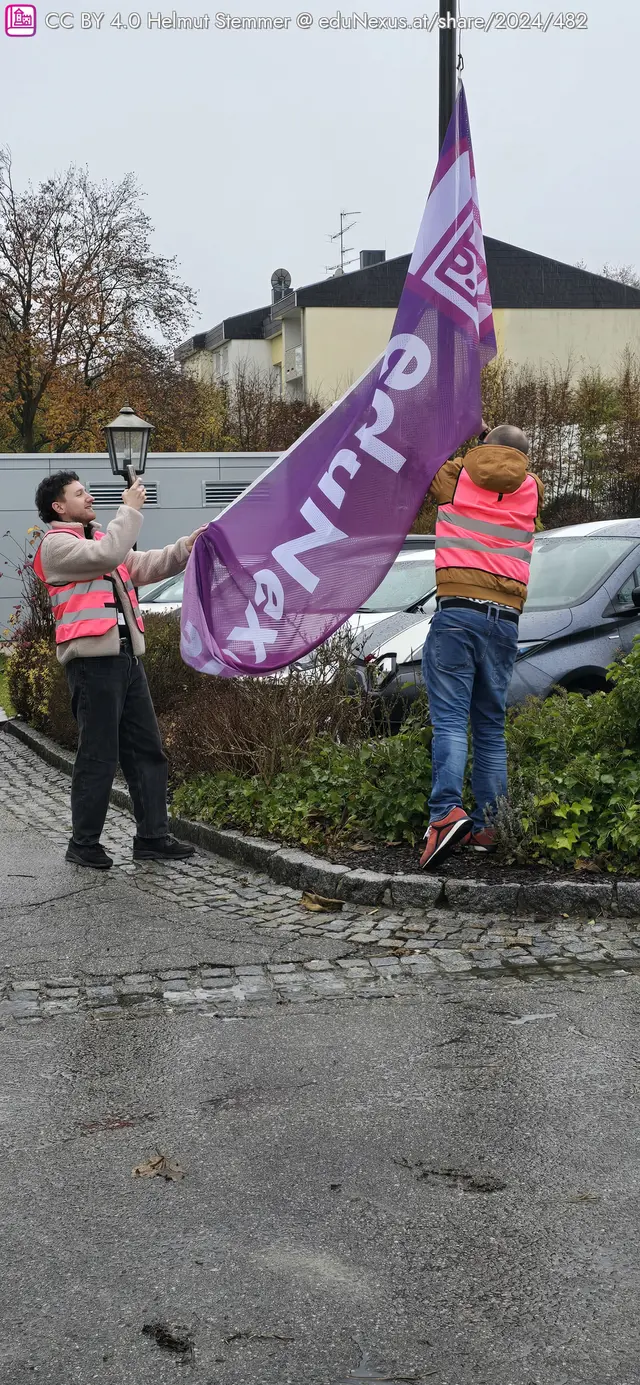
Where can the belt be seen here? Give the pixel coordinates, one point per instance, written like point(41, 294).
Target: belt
point(486, 606)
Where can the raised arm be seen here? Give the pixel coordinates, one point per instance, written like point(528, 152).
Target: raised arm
point(65, 556)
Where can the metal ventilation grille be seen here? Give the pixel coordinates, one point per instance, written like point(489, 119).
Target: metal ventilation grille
point(110, 492)
point(221, 492)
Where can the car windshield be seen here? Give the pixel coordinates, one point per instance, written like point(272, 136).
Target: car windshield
point(407, 582)
point(567, 570)
point(164, 592)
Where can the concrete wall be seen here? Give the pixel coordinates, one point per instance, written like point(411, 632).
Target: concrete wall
point(340, 345)
point(586, 337)
point(180, 508)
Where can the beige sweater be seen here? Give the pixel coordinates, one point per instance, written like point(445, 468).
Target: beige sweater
point(69, 559)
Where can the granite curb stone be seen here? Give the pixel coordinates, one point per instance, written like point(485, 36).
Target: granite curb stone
point(299, 870)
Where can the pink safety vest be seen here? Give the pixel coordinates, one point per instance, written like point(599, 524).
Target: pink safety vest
point(486, 531)
point(85, 608)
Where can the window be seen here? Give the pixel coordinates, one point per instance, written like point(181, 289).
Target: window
point(405, 584)
point(624, 598)
point(566, 571)
point(165, 593)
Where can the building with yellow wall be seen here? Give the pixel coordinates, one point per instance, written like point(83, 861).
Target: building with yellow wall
point(317, 340)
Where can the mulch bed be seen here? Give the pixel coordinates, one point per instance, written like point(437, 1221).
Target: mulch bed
point(461, 865)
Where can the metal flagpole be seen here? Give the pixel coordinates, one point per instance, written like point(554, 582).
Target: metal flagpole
point(447, 78)
point(448, 45)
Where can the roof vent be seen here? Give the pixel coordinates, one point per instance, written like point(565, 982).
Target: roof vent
point(369, 257)
point(110, 492)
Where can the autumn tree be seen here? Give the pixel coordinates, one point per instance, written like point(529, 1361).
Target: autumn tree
point(80, 291)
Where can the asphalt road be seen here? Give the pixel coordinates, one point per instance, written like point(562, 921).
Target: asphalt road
point(425, 1184)
point(440, 1187)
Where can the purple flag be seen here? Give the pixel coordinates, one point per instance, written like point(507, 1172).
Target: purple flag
point(289, 561)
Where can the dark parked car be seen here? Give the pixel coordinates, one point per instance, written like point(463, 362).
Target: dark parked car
point(583, 610)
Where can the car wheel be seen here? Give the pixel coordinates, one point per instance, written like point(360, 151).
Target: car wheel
point(588, 687)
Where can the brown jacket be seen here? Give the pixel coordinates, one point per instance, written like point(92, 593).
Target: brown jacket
point(500, 469)
point(69, 559)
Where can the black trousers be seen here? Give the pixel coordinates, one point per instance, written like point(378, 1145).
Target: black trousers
point(112, 705)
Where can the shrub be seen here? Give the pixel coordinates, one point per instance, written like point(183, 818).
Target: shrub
point(171, 681)
point(375, 788)
point(259, 726)
point(30, 676)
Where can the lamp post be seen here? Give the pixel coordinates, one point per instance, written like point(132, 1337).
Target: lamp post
point(127, 442)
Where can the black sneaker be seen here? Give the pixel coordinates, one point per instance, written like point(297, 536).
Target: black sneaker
point(161, 849)
point(93, 856)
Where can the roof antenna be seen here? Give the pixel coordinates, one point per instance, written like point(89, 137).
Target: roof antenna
point(337, 269)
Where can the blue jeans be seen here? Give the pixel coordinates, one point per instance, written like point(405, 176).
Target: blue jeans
point(467, 664)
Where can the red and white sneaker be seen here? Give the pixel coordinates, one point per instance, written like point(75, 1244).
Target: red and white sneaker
point(441, 837)
point(485, 840)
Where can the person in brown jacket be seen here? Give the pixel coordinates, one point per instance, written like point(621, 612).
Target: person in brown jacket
point(488, 507)
point(91, 578)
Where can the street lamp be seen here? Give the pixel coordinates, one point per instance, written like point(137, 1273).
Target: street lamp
point(127, 441)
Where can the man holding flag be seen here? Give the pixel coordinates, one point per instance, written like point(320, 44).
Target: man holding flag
point(488, 506)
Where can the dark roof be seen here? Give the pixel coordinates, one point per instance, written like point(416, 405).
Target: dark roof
point(518, 279)
point(521, 279)
point(244, 326)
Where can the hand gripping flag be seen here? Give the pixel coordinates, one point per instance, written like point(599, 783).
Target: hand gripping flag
point(289, 561)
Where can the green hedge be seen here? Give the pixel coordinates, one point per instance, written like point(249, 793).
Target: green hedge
point(574, 774)
point(280, 759)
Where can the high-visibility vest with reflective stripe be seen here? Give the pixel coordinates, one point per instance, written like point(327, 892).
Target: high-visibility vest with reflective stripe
point(485, 531)
point(85, 608)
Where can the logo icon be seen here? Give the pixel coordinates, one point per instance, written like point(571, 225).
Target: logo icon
point(20, 21)
point(454, 275)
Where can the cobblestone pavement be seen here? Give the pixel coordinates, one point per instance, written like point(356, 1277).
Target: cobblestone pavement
point(225, 992)
point(392, 953)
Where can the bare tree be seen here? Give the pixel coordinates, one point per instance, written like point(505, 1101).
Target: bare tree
point(78, 281)
point(624, 273)
point(258, 418)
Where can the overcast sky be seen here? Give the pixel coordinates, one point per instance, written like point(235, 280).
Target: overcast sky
point(248, 144)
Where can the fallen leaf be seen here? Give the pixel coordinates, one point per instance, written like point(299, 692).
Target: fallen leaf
point(585, 1197)
point(317, 904)
point(159, 1167)
point(176, 1339)
point(587, 865)
point(361, 846)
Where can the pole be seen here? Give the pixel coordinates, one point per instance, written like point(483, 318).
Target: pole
point(447, 74)
point(448, 39)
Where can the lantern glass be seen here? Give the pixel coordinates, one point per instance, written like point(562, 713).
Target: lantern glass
point(128, 441)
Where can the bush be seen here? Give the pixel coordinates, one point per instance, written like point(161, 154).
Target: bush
point(172, 682)
point(30, 679)
point(574, 774)
point(293, 757)
point(374, 788)
point(260, 726)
